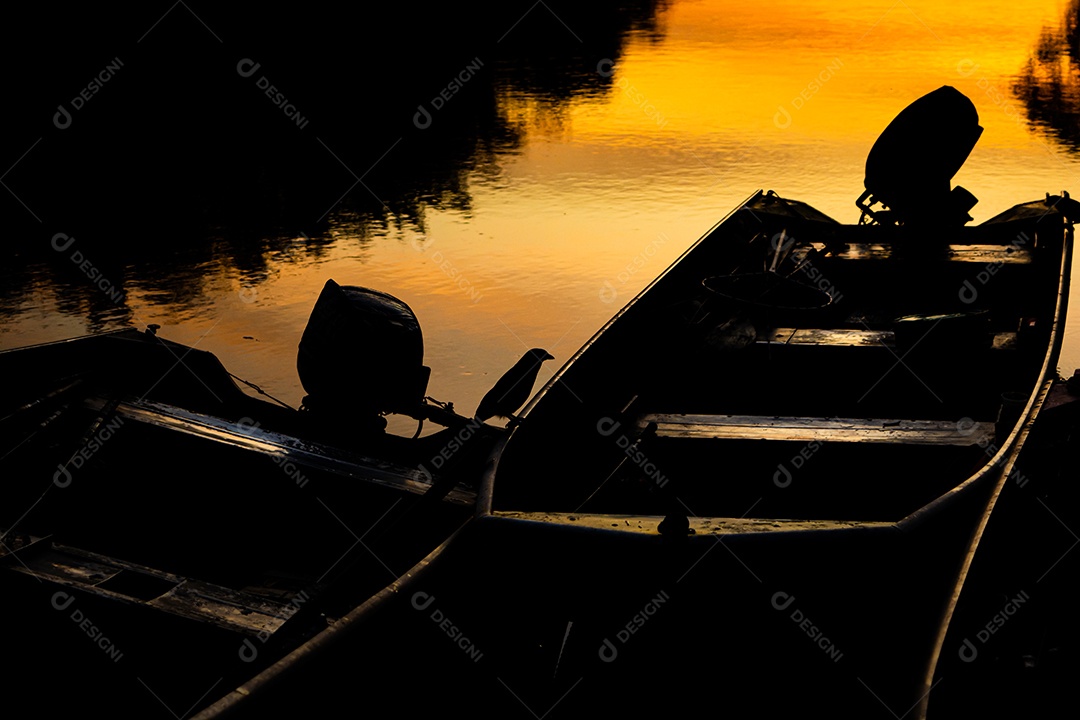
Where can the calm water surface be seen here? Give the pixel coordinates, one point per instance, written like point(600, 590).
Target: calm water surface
point(587, 192)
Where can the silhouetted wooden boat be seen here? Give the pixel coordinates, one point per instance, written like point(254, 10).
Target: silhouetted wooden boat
point(162, 530)
point(758, 489)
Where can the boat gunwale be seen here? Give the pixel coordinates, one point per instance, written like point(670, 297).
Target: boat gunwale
point(1003, 465)
point(118, 332)
point(1039, 389)
point(317, 456)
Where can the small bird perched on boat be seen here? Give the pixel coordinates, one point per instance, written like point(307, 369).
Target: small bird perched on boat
point(513, 388)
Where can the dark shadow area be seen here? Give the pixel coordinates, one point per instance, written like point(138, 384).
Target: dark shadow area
point(1049, 85)
point(191, 138)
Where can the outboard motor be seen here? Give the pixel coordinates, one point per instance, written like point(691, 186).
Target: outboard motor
point(361, 355)
point(910, 168)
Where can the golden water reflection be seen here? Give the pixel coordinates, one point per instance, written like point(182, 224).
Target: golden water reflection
point(550, 236)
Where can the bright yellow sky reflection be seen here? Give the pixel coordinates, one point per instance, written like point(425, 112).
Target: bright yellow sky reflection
point(607, 190)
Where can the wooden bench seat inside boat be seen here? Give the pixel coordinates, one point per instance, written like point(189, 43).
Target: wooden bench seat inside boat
point(76, 571)
point(847, 337)
point(810, 429)
point(981, 254)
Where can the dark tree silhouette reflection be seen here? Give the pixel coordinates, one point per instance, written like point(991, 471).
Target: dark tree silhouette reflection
point(1049, 84)
point(186, 158)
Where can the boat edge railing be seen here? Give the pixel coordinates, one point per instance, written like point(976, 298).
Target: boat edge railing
point(999, 468)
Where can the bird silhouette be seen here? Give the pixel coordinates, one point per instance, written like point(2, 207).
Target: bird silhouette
point(513, 388)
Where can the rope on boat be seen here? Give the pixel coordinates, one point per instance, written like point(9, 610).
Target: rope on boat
point(259, 390)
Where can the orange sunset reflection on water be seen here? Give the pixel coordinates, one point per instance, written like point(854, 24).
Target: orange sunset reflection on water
point(608, 187)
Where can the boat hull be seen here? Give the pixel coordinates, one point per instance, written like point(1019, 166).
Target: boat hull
point(761, 512)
